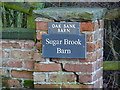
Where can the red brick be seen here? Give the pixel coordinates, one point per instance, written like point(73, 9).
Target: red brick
point(13, 83)
point(86, 26)
point(79, 67)
point(22, 74)
point(39, 35)
point(40, 77)
point(62, 77)
point(47, 86)
point(91, 47)
point(27, 54)
point(47, 67)
point(29, 64)
point(85, 78)
point(29, 44)
point(90, 37)
point(90, 78)
point(17, 64)
point(38, 57)
point(77, 86)
point(22, 54)
point(92, 57)
point(39, 46)
point(16, 54)
point(41, 25)
point(10, 45)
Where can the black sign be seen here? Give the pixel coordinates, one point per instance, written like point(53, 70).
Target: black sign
point(64, 41)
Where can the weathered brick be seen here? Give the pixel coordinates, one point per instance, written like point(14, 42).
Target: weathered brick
point(29, 44)
point(27, 54)
point(17, 64)
point(1, 53)
point(91, 47)
point(16, 54)
point(47, 86)
point(39, 35)
point(99, 44)
point(4, 54)
point(29, 64)
point(92, 57)
point(85, 78)
point(22, 74)
point(47, 67)
point(4, 72)
point(12, 83)
point(77, 86)
point(40, 77)
point(39, 46)
point(22, 54)
point(64, 86)
point(98, 74)
point(97, 84)
point(90, 37)
point(79, 67)
point(41, 26)
point(86, 26)
point(38, 57)
point(62, 77)
point(98, 35)
point(10, 45)
point(99, 54)
point(5, 62)
point(99, 64)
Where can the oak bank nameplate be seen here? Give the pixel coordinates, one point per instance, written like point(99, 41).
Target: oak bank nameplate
point(64, 41)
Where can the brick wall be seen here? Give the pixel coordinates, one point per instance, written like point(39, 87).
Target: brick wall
point(70, 73)
point(23, 65)
point(17, 63)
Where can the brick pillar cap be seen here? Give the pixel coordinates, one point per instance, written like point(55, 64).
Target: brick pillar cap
point(40, 19)
point(72, 14)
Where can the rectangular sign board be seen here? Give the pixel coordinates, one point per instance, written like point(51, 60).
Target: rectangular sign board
point(63, 46)
point(64, 28)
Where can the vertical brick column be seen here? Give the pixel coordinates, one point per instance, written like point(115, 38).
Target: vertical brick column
point(71, 73)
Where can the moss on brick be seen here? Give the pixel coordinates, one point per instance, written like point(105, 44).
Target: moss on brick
point(6, 78)
point(4, 84)
point(28, 84)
